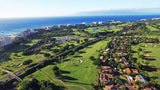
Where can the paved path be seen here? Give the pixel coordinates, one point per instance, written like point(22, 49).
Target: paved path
point(12, 74)
point(60, 81)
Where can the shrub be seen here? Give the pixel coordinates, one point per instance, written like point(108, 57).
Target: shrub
point(27, 62)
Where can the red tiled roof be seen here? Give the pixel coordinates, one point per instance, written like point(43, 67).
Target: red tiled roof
point(134, 70)
point(101, 57)
point(127, 70)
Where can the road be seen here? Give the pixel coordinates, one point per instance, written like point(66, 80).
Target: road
point(11, 74)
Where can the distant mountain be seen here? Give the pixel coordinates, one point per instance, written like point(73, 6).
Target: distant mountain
point(150, 11)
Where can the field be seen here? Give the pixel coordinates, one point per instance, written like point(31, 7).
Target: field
point(74, 73)
point(152, 56)
point(14, 59)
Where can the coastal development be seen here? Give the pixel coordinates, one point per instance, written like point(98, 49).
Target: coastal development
point(111, 55)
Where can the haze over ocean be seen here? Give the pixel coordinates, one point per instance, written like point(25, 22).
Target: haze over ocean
point(16, 25)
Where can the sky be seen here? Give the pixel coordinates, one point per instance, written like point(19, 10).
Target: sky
point(45, 8)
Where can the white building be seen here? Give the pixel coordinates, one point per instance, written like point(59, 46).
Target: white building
point(47, 28)
point(13, 37)
point(144, 20)
point(155, 18)
point(26, 33)
point(84, 23)
point(95, 23)
point(33, 31)
point(5, 41)
point(69, 25)
point(100, 22)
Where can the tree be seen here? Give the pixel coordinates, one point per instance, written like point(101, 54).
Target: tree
point(97, 62)
point(139, 50)
point(123, 87)
point(55, 50)
point(55, 68)
point(78, 41)
point(47, 54)
point(92, 58)
point(29, 85)
point(27, 62)
point(86, 39)
point(142, 56)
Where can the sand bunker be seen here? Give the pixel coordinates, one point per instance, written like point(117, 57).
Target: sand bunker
point(146, 54)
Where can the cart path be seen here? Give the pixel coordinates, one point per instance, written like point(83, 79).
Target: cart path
point(60, 81)
point(11, 74)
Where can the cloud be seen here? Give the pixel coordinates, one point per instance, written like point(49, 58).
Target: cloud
point(119, 11)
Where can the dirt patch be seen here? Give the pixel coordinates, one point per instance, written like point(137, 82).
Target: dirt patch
point(158, 71)
point(146, 54)
point(145, 45)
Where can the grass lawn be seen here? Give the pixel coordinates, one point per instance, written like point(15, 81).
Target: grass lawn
point(15, 59)
point(99, 29)
point(153, 58)
point(74, 73)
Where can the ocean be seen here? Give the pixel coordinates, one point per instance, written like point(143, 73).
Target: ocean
point(9, 26)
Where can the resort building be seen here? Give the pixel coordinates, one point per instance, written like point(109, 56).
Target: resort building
point(47, 28)
point(26, 33)
point(13, 37)
point(100, 22)
point(69, 25)
point(4, 41)
point(84, 23)
point(155, 18)
point(95, 23)
point(143, 20)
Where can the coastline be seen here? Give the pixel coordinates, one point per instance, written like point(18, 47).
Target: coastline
point(11, 26)
point(9, 39)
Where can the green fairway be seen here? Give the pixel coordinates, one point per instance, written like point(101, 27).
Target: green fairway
point(74, 73)
point(153, 58)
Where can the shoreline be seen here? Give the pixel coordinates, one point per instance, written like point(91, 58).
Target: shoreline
point(9, 39)
point(9, 27)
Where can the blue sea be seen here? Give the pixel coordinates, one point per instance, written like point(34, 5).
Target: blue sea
point(9, 26)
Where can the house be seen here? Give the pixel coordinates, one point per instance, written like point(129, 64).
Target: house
point(127, 70)
point(25, 33)
point(101, 57)
point(122, 54)
point(147, 88)
point(115, 70)
point(134, 70)
point(106, 69)
point(123, 59)
point(108, 49)
point(130, 79)
point(141, 78)
point(106, 77)
point(109, 87)
point(126, 63)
